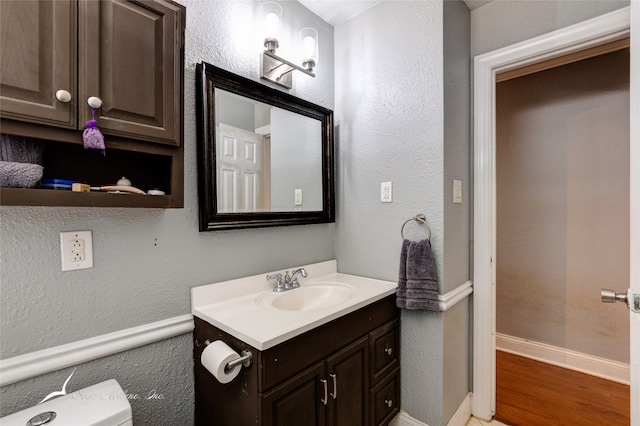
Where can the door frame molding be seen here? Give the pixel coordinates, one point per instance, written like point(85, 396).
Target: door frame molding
point(584, 35)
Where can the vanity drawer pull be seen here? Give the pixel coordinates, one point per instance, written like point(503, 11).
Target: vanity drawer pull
point(388, 403)
point(335, 386)
point(388, 350)
point(325, 399)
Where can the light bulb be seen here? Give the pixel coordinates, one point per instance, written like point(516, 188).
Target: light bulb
point(272, 12)
point(272, 25)
point(309, 47)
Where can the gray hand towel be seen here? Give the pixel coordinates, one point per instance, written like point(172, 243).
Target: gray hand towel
point(401, 291)
point(422, 283)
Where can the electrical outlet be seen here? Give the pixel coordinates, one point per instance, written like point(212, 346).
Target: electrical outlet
point(385, 192)
point(76, 250)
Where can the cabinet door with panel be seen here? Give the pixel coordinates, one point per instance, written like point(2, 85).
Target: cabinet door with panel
point(348, 382)
point(336, 390)
point(298, 401)
point(38, 60)
point(130, 57)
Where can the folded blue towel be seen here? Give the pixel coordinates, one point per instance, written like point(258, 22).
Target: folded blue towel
point(417, 281)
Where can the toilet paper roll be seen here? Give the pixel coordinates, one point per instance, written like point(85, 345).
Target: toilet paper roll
point(215, 358)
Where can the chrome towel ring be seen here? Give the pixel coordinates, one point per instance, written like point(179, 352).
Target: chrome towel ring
point(420, 218)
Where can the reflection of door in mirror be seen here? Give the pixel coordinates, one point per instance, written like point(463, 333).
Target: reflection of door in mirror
point(243, 168)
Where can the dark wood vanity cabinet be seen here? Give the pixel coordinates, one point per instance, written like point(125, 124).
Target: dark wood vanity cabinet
point(332, 375)
point(128, 53)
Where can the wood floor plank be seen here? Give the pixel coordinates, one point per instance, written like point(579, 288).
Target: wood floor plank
point(533, 393)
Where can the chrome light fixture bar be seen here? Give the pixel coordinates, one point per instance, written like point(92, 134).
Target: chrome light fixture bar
point(278, 70)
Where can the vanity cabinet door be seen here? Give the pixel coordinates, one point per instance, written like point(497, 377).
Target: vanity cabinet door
point(131, 58)
point(38, 45)
point(298, 401)
point(348, 377)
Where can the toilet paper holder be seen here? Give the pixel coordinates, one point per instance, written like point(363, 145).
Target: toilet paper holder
point(245, 358)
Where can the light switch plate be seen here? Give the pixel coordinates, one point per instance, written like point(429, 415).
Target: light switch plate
point(76, 250)
point(298, 197)
point(457, 191)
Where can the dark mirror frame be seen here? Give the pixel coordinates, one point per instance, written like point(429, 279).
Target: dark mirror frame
point(209, 78)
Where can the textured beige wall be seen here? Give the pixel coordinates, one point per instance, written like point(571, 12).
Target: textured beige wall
point(563, 208)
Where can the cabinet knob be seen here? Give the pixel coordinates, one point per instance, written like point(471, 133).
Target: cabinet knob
point(388, 350)
point(94, 102)
point(63, 96)
point(388, 403)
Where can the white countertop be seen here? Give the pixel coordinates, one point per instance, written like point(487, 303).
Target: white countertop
point(232, 305)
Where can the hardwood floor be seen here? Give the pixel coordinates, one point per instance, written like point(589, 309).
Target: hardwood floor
point(533, 393)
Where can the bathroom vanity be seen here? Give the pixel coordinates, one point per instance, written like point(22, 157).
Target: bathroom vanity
point(335, 362)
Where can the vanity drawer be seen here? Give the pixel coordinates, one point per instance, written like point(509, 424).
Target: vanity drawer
point(384, 350)
point(385, 400)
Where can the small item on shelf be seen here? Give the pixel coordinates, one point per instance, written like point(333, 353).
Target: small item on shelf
point(119, 189)
point(80, 187)
point(123, 181)
point(155, 191)
point(92, 136)
point(49, 183)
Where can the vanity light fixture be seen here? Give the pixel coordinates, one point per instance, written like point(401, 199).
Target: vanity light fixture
point(279, 70)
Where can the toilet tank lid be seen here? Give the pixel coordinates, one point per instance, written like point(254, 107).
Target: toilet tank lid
point(103, 404)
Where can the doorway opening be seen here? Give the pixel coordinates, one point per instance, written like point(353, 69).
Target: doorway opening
point(571, 40)
point(562, 230)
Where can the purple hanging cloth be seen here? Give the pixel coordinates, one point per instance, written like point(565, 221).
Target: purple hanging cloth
point(92, 136)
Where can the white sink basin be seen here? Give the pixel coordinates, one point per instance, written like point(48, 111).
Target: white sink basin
point(308, 297)
point(248, 309)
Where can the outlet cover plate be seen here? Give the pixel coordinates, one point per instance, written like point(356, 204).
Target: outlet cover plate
point(76, 250)
point(386, 195)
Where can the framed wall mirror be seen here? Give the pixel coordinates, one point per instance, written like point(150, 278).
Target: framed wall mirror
point(265, 157)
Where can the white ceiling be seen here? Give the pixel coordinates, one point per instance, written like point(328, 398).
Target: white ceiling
point(336, 12)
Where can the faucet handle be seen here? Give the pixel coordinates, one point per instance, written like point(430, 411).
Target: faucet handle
point(279, 284)
point(277, 277)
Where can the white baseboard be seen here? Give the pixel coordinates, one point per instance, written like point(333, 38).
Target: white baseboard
point(403, 419)
point(599, 367)
point(33, 364)
point(460, 417)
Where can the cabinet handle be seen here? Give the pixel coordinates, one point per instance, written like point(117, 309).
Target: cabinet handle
point(94, 102)
point(63, 96)
point(335, 386)
point(325, 399)
point(388, 403)
point(388, 350)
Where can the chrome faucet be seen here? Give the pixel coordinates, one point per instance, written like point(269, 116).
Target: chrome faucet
point(288, 282)
point(293, 280)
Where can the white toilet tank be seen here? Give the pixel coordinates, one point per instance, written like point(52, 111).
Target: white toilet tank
point(103, 404)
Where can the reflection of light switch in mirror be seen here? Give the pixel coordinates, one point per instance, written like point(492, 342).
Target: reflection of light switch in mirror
point(298, 197)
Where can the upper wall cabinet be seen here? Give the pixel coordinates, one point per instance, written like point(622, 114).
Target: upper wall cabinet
point(129, 54)
point(126, 57)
